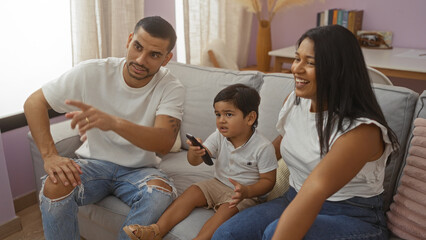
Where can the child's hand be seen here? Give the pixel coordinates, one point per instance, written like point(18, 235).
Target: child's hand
point(240, 192)
point(196, 151)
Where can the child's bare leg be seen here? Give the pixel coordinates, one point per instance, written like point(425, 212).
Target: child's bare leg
point(223, 213)
point(180, 208)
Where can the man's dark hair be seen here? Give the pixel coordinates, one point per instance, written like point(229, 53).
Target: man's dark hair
point(243, 97)
point(344, 89)
point(158, 27)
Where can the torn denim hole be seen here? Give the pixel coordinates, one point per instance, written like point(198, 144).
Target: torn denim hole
point(57, 201)
point(144, 181)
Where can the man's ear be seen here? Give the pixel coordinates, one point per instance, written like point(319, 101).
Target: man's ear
point(251, 117)
point(129, 40)
point(167, 59)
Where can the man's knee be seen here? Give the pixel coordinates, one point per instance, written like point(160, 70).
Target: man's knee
point(56, 190)
point(160, 184)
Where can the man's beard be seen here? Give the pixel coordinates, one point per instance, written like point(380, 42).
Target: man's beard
point(148, 75)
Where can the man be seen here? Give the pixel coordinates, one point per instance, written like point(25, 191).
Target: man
point(129, 109)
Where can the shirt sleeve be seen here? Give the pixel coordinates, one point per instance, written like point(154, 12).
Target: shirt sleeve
point(284, 112)
point(267, 159)
point(173, 98)
point(67, 86)
point(212, 143)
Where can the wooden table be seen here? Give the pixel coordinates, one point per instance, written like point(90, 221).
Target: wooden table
point(396, 62)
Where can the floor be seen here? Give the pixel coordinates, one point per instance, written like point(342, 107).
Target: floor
point(31, 224)
point(32, 228)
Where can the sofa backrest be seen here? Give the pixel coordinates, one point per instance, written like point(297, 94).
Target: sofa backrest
point(276, 87)
point(398, 105)
point(202, 84)
point(419, 112)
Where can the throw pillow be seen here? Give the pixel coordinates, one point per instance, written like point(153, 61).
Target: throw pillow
point(407, 214)
point(178, 143)
point(281, 185)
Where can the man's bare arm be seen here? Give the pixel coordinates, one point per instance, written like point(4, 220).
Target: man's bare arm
point(66, 170)
point(159, 138)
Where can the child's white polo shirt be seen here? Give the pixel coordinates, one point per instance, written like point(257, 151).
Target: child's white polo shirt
point(242, 164)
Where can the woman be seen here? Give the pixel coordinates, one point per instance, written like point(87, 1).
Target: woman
point(335, 142)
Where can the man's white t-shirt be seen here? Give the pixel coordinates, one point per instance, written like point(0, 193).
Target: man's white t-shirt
point(242, 164)
point(100, 83)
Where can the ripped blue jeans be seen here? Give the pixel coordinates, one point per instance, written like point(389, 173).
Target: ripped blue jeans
point(100, 179)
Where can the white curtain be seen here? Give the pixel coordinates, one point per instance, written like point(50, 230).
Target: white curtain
point(100, 28)
point(207, 20)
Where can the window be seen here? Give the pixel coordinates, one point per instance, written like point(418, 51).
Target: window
point(35, 47)
point(180, 42)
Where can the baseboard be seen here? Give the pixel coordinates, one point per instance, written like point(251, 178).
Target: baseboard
point(10, 227)
point(25, 201)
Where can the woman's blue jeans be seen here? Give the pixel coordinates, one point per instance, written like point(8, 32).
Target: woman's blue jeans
point(100, 179)
point(355, 218)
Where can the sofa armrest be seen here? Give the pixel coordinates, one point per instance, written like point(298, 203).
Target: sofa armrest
point(66, 141)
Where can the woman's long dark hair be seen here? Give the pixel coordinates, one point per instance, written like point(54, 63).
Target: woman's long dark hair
point(343, 84)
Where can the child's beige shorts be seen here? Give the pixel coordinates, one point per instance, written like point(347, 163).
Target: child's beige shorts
point(217, 193)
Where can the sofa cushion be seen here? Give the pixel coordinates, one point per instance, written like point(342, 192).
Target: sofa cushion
point(397, 104)
point(202, 84)
point(183, 174)
point(276, 87)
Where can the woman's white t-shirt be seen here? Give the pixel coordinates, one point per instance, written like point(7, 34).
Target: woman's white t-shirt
point(300, 150)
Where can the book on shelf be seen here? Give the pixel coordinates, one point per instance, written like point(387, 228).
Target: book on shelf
point(350, 19)
point(355, 20)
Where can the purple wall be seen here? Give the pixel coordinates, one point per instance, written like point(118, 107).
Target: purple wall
point(6, 204)
point(18, 160)
point(404, 18)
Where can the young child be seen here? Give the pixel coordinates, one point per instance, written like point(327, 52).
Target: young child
point(244, 170)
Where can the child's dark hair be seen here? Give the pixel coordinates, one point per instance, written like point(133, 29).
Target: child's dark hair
point(243, 97)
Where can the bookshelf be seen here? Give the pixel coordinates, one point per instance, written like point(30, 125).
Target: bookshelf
point(350, 19)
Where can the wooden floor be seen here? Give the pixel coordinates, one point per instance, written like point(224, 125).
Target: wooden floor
point(31, 225)
point(32, 228)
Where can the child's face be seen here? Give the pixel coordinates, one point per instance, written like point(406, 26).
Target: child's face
point(232, 124)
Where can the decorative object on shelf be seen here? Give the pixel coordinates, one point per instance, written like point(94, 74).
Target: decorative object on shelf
point(375, 39)
point(264, 43)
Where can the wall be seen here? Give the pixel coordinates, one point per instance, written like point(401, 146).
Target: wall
point(6, 203)
point(404, 18)
point(18, 160)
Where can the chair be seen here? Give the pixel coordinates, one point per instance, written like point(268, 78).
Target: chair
point(378, 77)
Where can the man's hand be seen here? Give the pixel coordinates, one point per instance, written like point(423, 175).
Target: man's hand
point(65, 169)
point(89, 117)
point(240, 193)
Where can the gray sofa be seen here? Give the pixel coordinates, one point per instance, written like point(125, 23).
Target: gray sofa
point(104, 219)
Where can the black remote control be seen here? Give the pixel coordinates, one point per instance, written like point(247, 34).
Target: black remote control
point(206, 157)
